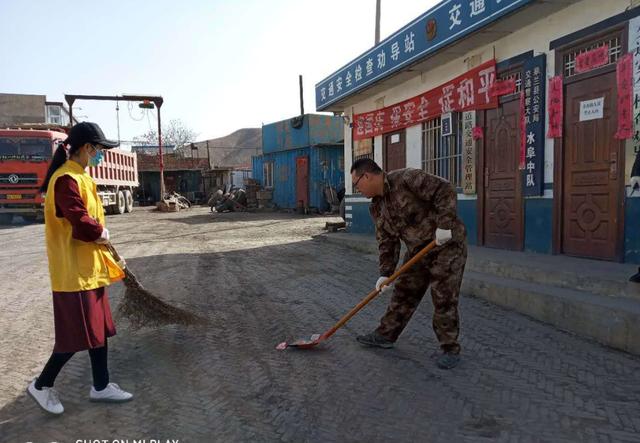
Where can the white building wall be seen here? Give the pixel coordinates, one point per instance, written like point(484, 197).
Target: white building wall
point(536, 37)
point(377, 149)
point(414, 146)
point(348, 157)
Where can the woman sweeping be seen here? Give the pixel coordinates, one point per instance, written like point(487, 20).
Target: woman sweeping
point(80, 267)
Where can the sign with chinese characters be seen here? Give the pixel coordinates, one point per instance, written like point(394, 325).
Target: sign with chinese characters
point(592, 109)
point(466, 92)
point(468, 153)
point(504, 87)
point(592, 59)
point(523, 134)
point(555, 99)
point(634, 48)
point(446, 124)
point(453, 20)
point(533, 87)
point(624, 77)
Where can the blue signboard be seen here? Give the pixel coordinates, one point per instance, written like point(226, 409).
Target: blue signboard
point(440, 26)
point(534, 79)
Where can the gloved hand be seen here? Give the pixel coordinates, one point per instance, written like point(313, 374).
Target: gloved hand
point(104, 237)
point(634, 182)
point(382, 289)
point(442, 236)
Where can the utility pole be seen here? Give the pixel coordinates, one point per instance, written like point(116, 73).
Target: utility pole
point(301, 96)
point(377, 22)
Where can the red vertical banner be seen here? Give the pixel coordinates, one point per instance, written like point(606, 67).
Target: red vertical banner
point(554, 106)
point(624, 77)
point(523, 133)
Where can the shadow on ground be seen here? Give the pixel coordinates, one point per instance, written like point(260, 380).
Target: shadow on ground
point(226, 382)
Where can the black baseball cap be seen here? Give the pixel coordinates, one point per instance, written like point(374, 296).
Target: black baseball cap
point(88, 132)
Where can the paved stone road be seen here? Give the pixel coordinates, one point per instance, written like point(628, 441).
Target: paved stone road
point(260, 279)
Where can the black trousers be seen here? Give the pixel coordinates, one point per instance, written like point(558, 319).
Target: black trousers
point(99, 368)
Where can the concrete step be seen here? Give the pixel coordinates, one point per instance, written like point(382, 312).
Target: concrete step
point(611, 321)
point(599, 277)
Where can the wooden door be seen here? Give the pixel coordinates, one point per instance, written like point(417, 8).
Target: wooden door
point(502, 193)
point(395, 152)
point(591, 171)
point(302, 181)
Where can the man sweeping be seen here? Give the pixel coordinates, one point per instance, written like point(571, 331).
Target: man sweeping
point(415, 207)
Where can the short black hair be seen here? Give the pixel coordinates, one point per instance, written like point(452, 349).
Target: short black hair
point(364, 165)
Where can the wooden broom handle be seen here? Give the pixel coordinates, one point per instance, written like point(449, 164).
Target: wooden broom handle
point(373, 294)
point(113, 251)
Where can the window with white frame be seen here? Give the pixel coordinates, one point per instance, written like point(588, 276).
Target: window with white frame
point(267, 170)
point(614, 42)
point(442, 156)
point(54, 114)
point(363, 149)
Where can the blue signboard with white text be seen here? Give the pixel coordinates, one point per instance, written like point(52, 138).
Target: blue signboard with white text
point(442, 25)
point(534, 77)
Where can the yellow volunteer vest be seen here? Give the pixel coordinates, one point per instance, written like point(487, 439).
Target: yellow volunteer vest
point(76, 265)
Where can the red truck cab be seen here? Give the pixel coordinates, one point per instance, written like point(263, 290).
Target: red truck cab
point(24, 158)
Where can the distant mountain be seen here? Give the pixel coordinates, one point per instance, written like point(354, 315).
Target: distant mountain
point(233, 150)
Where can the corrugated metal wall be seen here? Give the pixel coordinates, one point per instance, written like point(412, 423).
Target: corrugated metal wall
point(326, 167)
point(315, 129)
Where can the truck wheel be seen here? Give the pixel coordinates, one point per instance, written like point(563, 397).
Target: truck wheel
point(120, 203)
point(128, 201)
point(5, 219)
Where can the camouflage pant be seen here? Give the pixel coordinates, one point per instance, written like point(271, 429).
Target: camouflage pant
point(442, 270)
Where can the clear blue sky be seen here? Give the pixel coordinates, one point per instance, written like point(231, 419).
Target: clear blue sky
point(220, 65)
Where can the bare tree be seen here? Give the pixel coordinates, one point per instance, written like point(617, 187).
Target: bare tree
point(175, 133)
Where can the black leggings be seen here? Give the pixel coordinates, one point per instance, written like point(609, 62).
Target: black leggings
point(59, 359)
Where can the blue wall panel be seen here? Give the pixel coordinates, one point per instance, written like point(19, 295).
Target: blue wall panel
point(467, 211)
point(325, 129)
point(538, 214)
point(360, 221)
point(632, 230)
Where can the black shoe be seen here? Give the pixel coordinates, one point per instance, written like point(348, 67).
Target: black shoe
point(374, 339)
point(448, 360)
point(635, 277)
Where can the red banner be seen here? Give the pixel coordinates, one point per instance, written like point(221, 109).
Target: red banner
point(466, 92)
point(523, 133)
point(592, 59)
point(554, 107)
point(504, 87)
point(624, 77)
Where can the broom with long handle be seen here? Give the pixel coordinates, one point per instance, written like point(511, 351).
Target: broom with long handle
point(142, 308)
point(316, 339)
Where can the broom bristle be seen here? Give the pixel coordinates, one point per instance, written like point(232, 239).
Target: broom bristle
point(144, 309)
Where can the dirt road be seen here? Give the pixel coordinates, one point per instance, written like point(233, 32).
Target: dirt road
point(261, 278)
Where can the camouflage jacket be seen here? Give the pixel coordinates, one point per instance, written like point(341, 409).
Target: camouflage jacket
point(412, 206)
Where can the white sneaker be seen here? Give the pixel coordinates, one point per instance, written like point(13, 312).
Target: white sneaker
point(111, 394)
point(47, 398)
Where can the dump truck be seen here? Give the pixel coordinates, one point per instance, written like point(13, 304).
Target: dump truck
point(25, 153)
